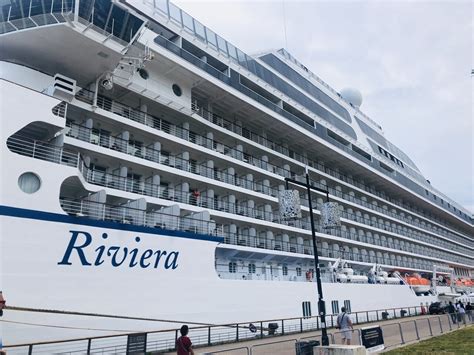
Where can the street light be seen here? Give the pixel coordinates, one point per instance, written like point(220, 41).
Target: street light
point(290, 208)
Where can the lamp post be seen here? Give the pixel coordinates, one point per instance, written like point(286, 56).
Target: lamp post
point(321, 303)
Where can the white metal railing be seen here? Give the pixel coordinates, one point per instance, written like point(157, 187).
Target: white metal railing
point(46, 151)
point(157, 123)
point(128, 215)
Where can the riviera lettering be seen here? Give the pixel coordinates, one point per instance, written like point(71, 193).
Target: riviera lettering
point(80, 245)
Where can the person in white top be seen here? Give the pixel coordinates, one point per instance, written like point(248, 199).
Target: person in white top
point(345, 324)
point(461, 312)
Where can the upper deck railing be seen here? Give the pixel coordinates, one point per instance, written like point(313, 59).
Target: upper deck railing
point(103, 17)
point(105, 140)
point(165, 126)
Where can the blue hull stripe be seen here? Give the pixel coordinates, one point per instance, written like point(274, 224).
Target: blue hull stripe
point(62, 218)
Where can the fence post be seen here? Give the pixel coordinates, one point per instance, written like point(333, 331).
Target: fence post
point(409, 312)
point(301, 325)
point(401, 333)
point(416, 330)
point(237, 332)
point(394, 314)
point(317, 322)
point(30, 349)
point(282, 327)
point(429, 325)
point(89, 343)
point(367, 314)
point(357, 317)
point(377, 312)
point(261, 329)
point(208, 335)
point(440, 324)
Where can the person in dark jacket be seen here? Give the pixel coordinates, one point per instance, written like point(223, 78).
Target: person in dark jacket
point(452, 312)
point(469, 311)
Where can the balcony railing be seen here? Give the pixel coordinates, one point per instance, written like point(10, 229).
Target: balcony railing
point(167, 127)
point(46, 151)
point(106, 140)
point(128, 215)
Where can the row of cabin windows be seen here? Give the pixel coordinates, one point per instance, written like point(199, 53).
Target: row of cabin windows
point(391, 157)
point(252, 269)
point(449, 205)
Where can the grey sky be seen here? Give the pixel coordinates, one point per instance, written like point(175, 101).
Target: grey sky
point(410, 59)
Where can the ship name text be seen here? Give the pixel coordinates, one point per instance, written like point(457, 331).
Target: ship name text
point(81, 249)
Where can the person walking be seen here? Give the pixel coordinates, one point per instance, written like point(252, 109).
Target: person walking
point(469, 311)
point(344, 323)
point(183, 343)
point(461, 312)
point(452, 312)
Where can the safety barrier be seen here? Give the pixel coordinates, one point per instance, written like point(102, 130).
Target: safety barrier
point(207, 335)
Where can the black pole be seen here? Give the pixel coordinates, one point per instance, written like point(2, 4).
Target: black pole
point(321, 304)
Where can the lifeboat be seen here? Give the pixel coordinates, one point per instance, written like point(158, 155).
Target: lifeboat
point(419, 284)
point(462, 284)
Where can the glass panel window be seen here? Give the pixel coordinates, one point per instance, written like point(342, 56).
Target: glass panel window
point(188, 22)
point(252, 269)
point(175, 13)
point(232, 51)
point(222, 44)
point(285, 270)
point(232, 267)
point(298, 271)
point(162, 5)
point(211, 38)
point(199, 30)
point(241, 57)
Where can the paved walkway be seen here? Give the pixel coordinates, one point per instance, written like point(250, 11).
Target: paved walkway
point(425, 326)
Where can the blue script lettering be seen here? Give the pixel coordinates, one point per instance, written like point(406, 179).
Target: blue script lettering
point(82, 243)
point(72, 245)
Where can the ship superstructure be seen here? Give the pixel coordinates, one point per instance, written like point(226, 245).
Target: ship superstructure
point(122, 119)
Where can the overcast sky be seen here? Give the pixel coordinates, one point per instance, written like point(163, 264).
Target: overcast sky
point(410, 59)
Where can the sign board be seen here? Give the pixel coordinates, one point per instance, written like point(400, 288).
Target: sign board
point(136, 343)
point(330, 215)
point(372, 338)
point(289, 203)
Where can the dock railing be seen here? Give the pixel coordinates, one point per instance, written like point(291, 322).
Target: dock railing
point(207, 335)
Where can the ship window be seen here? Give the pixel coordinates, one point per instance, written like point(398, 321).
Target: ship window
point(285, 270)
point(306, 309)
point(298, 271)
point(175, 13)
point(187, 21)
point(199, 30)
point(232, 267)
point(335, 307)
point(177, 90)
point(347, 305)
point(252, 268)
point(29, 182)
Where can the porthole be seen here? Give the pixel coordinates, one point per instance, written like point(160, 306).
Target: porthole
point(177, 90)
point(29, 182)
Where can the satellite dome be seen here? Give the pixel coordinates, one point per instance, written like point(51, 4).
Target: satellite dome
point(352, 95)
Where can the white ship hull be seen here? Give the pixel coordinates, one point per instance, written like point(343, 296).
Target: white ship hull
point(33, 277)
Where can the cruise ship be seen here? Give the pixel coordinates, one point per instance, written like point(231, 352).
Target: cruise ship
point(142, 160)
